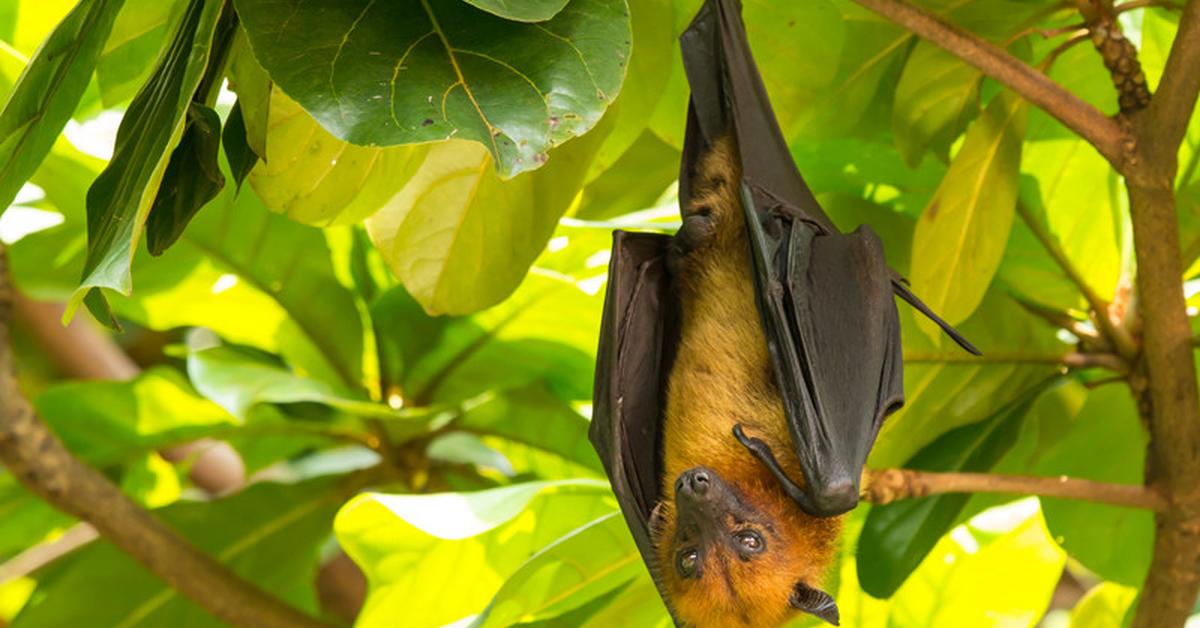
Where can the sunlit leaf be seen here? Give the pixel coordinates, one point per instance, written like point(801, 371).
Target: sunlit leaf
point(416, 547)
point(1104, 606)
point(960, 237)
point(405, 72)
point(48, 90)
point(317, 179)
point(107, 422)
point(572, 571)
point(459, 237)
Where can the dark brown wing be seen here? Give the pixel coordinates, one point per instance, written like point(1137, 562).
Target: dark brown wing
point(638, 335)
point(826, 298)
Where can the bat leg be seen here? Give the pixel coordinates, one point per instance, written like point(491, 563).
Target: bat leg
point(764, 454)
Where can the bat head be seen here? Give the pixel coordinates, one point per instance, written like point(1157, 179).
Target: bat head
point(731, 555)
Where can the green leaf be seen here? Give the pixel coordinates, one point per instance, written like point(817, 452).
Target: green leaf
point(24, 518)
point(934, 96)
point(317, 179)
point(459, 237)
point(524, 11)
point(533, 416)
point(120, 198)
point(385, 73)
point(269, 534)
point(191, 180)
point(898, 536)
point(48, 90)
point(960, 237)
point(238, 153)
point(1104, 606)
point(571, 572)
point(137, 38)
point(637, 179)
point(418, 547)
point(109, 422)
point(282, 273)
point(1071, 175)
point(1005, 552)
point(644, 86)
point(238, 381)
point(1107, 422)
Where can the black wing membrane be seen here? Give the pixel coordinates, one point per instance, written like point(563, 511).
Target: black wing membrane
point(638, 334)
point(826, 298)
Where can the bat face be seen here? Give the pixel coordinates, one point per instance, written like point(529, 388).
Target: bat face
point(732, 555)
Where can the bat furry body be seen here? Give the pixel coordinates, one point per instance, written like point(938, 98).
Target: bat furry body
point(722, 377)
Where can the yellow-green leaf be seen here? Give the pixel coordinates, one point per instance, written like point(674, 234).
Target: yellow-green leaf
point(960, 237)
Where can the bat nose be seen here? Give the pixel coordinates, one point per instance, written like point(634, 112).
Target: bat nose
point(695, 481)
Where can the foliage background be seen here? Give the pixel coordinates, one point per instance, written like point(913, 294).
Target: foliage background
point(431, 308)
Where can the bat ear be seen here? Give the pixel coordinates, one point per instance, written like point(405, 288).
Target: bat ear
point(814, 602)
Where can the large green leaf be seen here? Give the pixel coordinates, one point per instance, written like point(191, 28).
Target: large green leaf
point(317, 179)
point(120, 198)
point(111, 422)
point(531, 415)
point(960, 237)
point(459, 237)
point(1074, 180)
point(1009, 545)
point(419, 547)
point(898, 536)
point(574, 570)
point(417, 71)
point(48, 90)
point(269, 534)
point(1107, 422)
point(238, 381)
point(935, 94)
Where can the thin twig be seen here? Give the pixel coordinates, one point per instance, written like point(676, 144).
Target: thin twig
point(888, 485)
point(1118, 336)
point(35, 457)
point(1109, 361)
point(1079, 116)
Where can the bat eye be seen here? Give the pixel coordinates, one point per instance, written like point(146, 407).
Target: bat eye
point(686, 563)
point(750, 542)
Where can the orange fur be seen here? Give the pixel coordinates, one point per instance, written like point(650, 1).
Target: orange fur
point(721, 377)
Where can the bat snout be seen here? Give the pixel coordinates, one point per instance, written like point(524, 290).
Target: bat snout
point(694, 483)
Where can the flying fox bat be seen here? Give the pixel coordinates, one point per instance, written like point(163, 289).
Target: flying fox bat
point(746, 364)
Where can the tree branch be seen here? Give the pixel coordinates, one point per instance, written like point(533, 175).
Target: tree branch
point(40, 461)
point(1090, 123)
point(1173, 103)
point(888, 485)
point(1071, 360)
